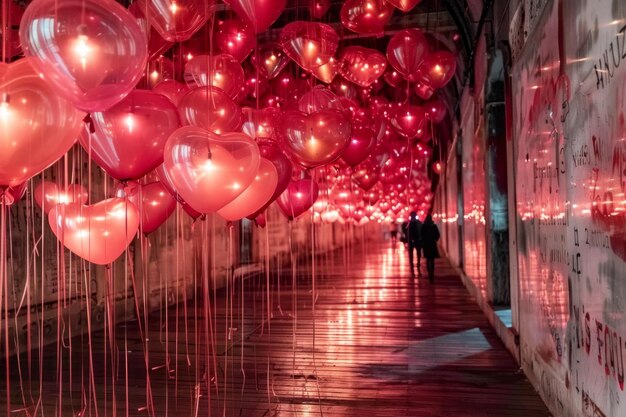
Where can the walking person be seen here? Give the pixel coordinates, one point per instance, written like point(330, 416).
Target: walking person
point(430, 236)
point(412, 234)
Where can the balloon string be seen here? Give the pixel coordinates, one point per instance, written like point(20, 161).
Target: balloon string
point(294, 305)
point(5, 299)
point(313, 302)
point(268, 306)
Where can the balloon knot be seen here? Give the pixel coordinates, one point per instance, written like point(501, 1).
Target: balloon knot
point(89, 121)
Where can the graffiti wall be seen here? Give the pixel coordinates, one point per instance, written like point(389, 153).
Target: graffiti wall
point(569, 91)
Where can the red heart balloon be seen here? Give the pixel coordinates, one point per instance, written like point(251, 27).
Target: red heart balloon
point(309, 44)
point(367, 17)
point(156, 44)
point(360, 146)
point(438, 68)
point(298, 198)
point(128, 140)
point(98, 233)
point(210, 108)
point(260, 221)
point(256, 196)
point(93, 52)
point(409, 120)
point(407, 50)
point(155, 204)
point(48, 194)
point(394, 78)
point(327, 72)
point(221, 71)
point(235, 38)
point(404, 5)
point(318, 8)
point(38, 126)
point(259, 123)
point(315, 139)
point(319, 98)
point(366, 175)
point(171, 89)
point(424, 90)
point(270, 151)
point(269, 60)
point(362, 66)
point(177, 20)
point(207, 170)
point(436, 110)
point(159, 70)
point(259, 13)
point(289, 89)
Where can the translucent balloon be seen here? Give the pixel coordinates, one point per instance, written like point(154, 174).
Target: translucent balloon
point(48, 194)
point(235, 38)
point(327, 72)
point(269, 60)
point(93, 52)
point(362, 66)
point(409, 120)
point(438, 68)
point(255, 196)
point(361, 144)
point(98, 233)
point(207, 170)
point(406, 51)
point(318, 8)
point(37, 126)
point(171, 89)
point(319, 98)
point(210, 108)
point(259, 13)
point(128, 140)
point(367, 17)
point(177, 20)
point(156, 44)
point(309, 44)
point(155, 205)
point(404, 5)
point(298, 198)
point(221, 71)
point(261, 123)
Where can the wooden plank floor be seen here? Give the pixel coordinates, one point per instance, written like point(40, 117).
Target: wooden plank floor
point(376, 343)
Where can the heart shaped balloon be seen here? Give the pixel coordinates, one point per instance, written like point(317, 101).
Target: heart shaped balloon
point(327, 72)
point(208, 170)
point(436, 110)
point(309, 44)
point(298, 198)
point(269, 60)
point(407, 50)
point(37, 125)
point(128, 139)
point(48, 194)
point(361, 144)
point(424, 90)
point(318, 8)
point(98, 233)
point(210, 108)
point(259, 13)
point(156, 44)
point(315, 139)
point(317, 99)
point(221, 71)
point(177, 20)
point(235, 38)
point(404, 5)
point(438, 68)
point(159, 70)
point(171, 89)
point(256, 196)
point(409, 120)
point(259, 124)
point(362, 66)
point(93, 52)
point(155, 204)
point(366, 175)
point(367, 17)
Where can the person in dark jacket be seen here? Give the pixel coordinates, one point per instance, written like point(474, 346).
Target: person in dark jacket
point(430, 236)
point(412, 235)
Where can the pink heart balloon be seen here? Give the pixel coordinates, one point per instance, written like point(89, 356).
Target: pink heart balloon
point(156, 44)
point(93, 52)
point(394, 78)
point(404, 5)
point(438, 68)
point(318, 8)
point(362, 66)
point(327, 72)
point(298, 198)
point(436, 110)
point(256, 196)
point(48, 194)
point(177, 20)
point(128, 140)
point(207, 170)
point(259, 123)
point(221, 71)
point(367, 17)
point(409, 120)
point(155, 204)
point(319, 98)
point(366, 175)
point(171, 89)
point(259, 13)
point(98, 233)
point(407, 50)
point(315, 139)
point(211, 109)
point(38, 126)
point(309, 44)
point(360, 146)
point(235, 38)
point(269, 60)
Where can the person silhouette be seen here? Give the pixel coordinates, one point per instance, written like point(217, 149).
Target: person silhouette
point(430, 236)
point(412, 235)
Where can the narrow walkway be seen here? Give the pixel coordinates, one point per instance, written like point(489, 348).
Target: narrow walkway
point(381, 344)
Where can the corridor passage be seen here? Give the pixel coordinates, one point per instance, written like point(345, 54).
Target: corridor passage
point(378, 343)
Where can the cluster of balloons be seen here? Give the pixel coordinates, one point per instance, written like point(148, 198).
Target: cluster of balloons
point(228, 127)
